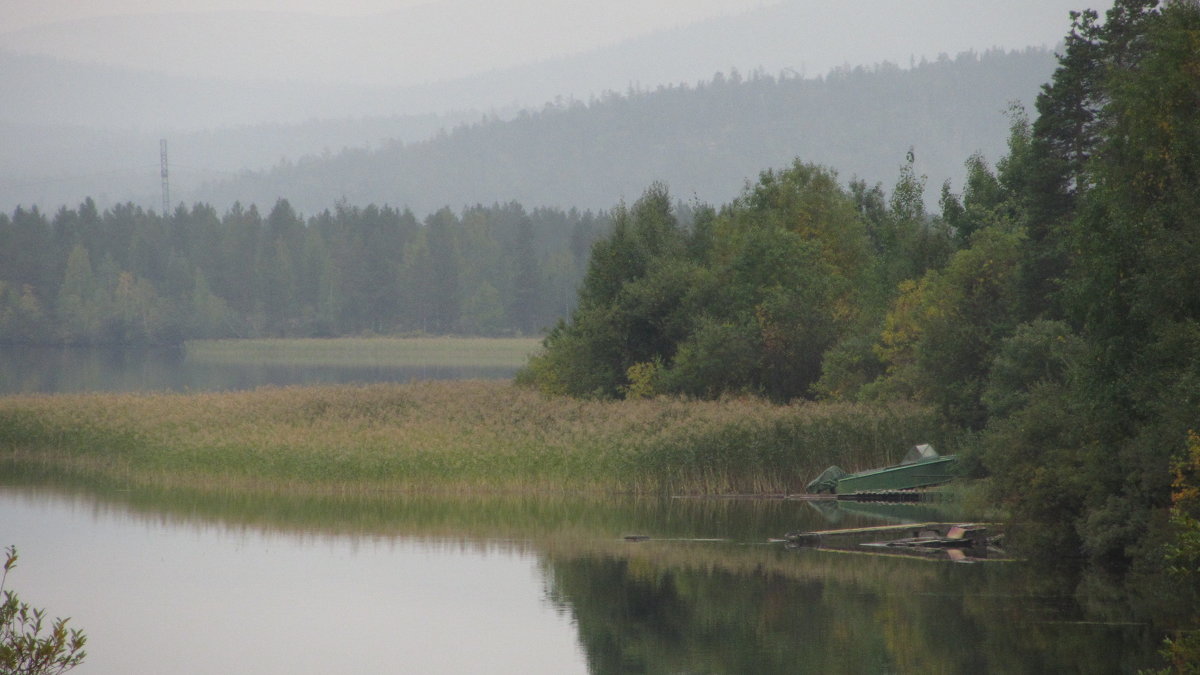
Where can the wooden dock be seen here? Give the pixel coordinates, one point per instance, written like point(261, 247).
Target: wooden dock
point(887, 496)
point(960, 542)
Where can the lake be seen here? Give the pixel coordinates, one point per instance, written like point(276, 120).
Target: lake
point(52, 370)
point(184, 582)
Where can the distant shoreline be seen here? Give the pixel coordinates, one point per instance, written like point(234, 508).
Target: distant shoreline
point(368, 351)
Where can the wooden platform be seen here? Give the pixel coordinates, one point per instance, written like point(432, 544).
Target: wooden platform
point(958, 542)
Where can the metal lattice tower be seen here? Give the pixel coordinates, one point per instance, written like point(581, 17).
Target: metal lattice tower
point(166, 185)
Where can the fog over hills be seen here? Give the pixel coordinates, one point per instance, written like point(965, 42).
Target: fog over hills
point(238, 91)
point(86, 130)
point(703, 141)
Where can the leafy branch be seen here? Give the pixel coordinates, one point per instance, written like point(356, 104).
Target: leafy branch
point(23, 648)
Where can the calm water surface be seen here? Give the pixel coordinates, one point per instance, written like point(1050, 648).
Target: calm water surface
point(171, 583)
point(157, 593)
point(54, 370)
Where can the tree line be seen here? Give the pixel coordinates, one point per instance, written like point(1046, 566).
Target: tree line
point(1049, 311)
point(130, 276)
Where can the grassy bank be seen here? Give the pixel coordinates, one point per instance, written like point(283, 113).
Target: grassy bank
point(417, 351)
point(448, 437)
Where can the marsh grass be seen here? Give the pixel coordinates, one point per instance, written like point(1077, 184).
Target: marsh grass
point(367, 352)
point(448, 438)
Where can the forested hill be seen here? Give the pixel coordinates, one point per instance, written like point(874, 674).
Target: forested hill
point(703, 141)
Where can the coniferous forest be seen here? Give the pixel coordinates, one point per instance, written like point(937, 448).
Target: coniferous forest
point(126, 276)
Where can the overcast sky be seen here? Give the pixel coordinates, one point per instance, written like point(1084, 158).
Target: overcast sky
point(641, 14)
point(412, 41)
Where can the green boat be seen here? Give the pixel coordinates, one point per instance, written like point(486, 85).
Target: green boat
point(922, 466)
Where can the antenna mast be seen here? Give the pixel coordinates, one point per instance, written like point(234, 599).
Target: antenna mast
point(166, 186)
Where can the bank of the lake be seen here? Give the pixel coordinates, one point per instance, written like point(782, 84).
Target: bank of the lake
point(449, 351)
point(449, 437)
point(237, 365)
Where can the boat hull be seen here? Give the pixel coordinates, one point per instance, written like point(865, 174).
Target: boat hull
point(903, 477)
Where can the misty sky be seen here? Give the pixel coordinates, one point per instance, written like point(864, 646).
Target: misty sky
point(275, 39)
point(396, 42)
point(20, 14)
point(234, 64)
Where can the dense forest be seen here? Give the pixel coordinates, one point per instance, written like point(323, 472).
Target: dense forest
point(1050, 311)
point(128, 276)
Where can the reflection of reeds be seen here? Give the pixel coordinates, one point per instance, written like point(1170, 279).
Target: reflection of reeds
point(368, 352)
point(448, 437)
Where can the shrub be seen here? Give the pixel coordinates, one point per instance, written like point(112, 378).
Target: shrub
point(23, 649)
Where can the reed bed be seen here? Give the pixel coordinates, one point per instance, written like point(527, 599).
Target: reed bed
point(368, 352)
point(448, 438)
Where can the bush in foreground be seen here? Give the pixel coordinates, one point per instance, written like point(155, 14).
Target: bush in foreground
point(23, 648)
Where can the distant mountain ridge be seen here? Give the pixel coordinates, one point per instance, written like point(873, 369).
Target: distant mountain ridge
point(704, 141)
point(70, 130)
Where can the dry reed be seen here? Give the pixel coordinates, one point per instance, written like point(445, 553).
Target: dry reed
point(449, 437)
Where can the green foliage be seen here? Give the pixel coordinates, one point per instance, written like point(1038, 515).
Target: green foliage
point(984, 203)
point(1036, 354)
point(22, 318)
point(126, 276)
point(1184, 555)
point(1132, 286)
point(24, 650)
point(1088, 409)
point(641, 236)
point(850, 365)
point(1074, 117)
point(1182, 648)
point(636, 303)
point(717, 357)
point(642, 380)
point(804, 199)
point(943, 330)
point(1052, 309)
point(747, 301)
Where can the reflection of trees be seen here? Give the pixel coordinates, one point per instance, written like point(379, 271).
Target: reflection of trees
point(636, 618)
point(722, 607)
point(642, 613)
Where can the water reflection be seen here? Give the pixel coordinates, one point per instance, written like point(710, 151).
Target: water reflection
point(881, 618)
point(52, 370)
point(165, 594)
point(424, 584)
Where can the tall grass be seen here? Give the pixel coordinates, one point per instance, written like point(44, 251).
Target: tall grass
point(449, 437)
